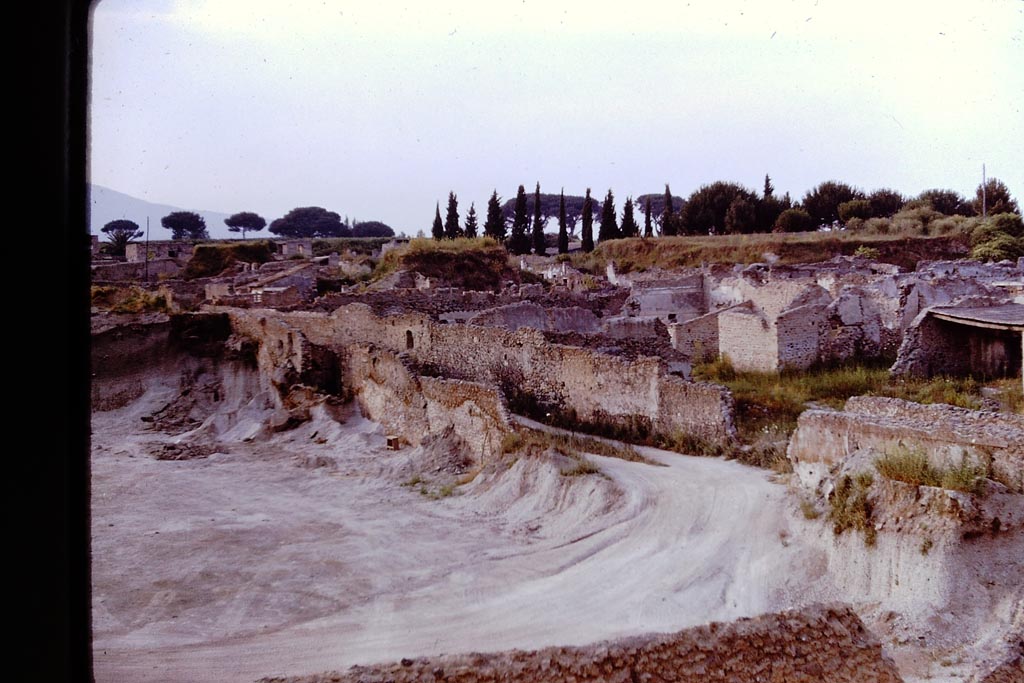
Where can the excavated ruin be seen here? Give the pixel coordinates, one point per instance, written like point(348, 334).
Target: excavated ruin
point(283, 494)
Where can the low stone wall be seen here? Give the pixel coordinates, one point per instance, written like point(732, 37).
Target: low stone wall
point(946, 434)
point(135, 270)
point(819, 644)
point(528, 314)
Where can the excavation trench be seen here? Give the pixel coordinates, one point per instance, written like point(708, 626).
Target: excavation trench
point(229, 545)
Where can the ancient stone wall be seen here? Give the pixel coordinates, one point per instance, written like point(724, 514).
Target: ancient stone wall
point(798, 332)
point(135, 270)
point(630, 327)
point(872, 427)
point(595, 387)
point(932, 347)
point(748, 340)
point(529, 314)
point(819, 644)
point(698, 338)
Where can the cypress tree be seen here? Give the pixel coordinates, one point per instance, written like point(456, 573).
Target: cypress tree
point(563, 230)
point(648, 231)
point(494, 226)
point(471, 221)
point(451, 221)
point(609, 223)
point(629, 227)
point(539, 247)
point(438, 228)
point(588, 223)
point(668, 216)
point(519, 243)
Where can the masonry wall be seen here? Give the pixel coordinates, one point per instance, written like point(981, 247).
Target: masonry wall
point(597, 387)
point(932, 347)
point(748, 340)
point(819, 644)
point(135, 270)
point(797, 333)
point(875, 425)
point(698, 338)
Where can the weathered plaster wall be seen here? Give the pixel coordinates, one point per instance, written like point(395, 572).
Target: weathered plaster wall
point(819, 644)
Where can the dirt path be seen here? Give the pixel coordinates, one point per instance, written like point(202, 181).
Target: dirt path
point(244, 564)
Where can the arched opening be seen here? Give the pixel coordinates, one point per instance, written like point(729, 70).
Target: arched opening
point(408, 339)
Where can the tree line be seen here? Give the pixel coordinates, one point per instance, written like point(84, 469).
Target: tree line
point(301, 222)
point(718, 208)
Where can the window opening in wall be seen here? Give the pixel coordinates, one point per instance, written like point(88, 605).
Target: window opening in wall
point(408, 339)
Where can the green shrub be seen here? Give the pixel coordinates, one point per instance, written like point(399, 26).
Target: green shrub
point(855, 208)
point(867, 252)
point(877, 226)
point(999, 248)
point(793, 220)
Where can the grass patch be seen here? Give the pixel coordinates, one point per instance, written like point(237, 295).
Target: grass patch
point(130, 299)
point(849, 507)
point(582, 468)
point(475, 264)
point(912, 467)
point(357, 245)
point(209, 260)
point(809, 509)
point(767, 401)
point(806, 247)
point(535, 441)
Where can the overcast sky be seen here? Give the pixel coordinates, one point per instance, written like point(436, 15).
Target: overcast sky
point(376, 110)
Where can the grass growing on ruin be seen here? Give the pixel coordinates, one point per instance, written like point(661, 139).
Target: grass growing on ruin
point(534, 441)
point(913, 467)
point(127, 299)
point(673, 252)
point(774, 400)
point(849, 507)
point(474, 264)
point(357, 245)
point(209, 260)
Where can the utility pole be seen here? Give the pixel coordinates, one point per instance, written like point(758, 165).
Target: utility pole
point(984, 207)
point(147, 250)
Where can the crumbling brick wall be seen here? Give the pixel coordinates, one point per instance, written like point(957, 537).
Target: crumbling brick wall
point(819, 644)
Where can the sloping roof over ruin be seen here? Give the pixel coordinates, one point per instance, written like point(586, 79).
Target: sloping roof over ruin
point(1002, 317)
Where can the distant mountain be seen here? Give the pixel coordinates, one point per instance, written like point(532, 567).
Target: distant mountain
point(108, 205)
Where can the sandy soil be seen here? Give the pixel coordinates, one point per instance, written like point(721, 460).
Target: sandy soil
point(305, 552)
point(248, 563)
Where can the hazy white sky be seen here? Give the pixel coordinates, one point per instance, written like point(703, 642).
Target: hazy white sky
point(377, 109)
